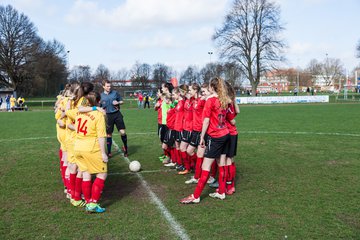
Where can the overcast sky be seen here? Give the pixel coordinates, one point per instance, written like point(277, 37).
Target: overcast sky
point(117, 33)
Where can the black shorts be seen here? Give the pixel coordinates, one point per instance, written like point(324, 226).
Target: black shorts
point(178, 136)
point(162, 129)
point(232, 146)
point(112, 119)
point(169, 138)
point(216, 146)
point(195, 138)
point(185, 136)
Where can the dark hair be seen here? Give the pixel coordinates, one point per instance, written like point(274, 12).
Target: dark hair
point(196, 87)
point(204, 85)
point(93, 98)
point(105, 82)
point(169, 86)
point(85, 89)
point(183, 89)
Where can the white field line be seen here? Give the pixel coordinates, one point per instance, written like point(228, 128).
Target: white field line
point(131, 173)
point(176, 227)
point(244, 132)
point(24, 139)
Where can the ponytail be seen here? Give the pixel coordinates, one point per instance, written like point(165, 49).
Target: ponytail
point(218, 85)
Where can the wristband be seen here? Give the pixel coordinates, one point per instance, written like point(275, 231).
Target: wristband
point(94, 108)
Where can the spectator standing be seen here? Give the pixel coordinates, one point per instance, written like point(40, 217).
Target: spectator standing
point(1, 102)
point(7, 100)
point(140, 100)
point(12, 103)
point(147, 101)
point(295, 91)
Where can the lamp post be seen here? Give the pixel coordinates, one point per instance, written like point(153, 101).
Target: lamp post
point(210, 53)
point(67, 62)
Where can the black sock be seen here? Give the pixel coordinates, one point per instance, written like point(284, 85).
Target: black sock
point(124, 140)
point(109, 143)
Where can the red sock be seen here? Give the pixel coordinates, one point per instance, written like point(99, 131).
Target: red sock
point(78, 188)
point(214, 168)
point(198, 167)
point(67, 183)
point(166, 153)
point(96, 190)
point(233, 174)
point(86, 189)
point(222, 179)
point(228, 177)
point(62, 172)
point(201, 183)
point(72, 184)
point(193, 161)
point(178, 157)
point(172, 155)
point(186, 160)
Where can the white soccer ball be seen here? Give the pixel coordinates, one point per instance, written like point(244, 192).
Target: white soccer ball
point(134, 166)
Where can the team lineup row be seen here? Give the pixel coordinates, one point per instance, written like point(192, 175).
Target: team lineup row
point(197, 127)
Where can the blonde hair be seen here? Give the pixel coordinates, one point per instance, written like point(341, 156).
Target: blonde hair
point(218, 85)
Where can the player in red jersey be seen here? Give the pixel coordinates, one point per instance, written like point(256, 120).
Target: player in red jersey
point(161, 127)
point(214, 127)
point(178, 95)
point(200, 95)
point(187, 129)
point(169, 140)
point(231, 112)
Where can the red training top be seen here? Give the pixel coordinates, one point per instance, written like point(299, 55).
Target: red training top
point(188, 114)
point(170, 118)
point(197, 114)
point(159, 111)
point(179, 110)
point(212, 110)
point(230, 115)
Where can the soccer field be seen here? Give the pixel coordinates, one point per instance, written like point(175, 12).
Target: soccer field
point(297, 178)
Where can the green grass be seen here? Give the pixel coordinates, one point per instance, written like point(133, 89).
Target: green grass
point(298, 175)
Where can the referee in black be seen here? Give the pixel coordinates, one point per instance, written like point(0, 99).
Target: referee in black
point(111, 101)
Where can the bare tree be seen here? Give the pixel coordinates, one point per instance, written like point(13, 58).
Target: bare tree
point(209, 71)
point(141, 74)
point(161, 73)
point(101, 73)
point(81, 73)
point(232, 74)
point(331, 70)
point(18, 43)
point(190, 75)
point(250, 38)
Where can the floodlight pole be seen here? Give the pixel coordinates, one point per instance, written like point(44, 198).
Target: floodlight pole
point(210, 53)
